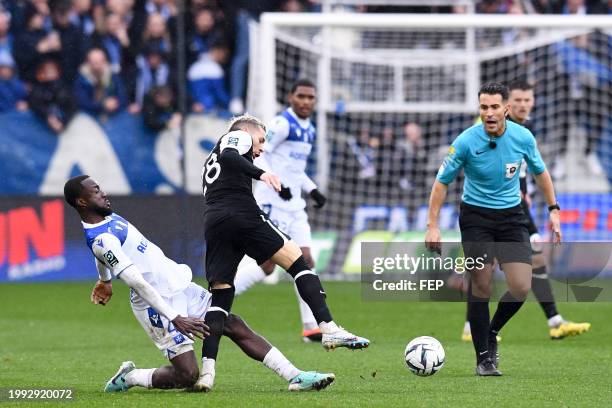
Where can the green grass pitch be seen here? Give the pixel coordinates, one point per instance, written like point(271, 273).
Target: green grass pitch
point(52, 337)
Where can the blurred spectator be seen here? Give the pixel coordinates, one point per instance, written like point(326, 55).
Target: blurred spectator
point(72, 45)
point(204, 32)
point(113, 39)
point(415, 157)
point(162, 9)
point(206, 80)
point(159, 109)
point(6, 38)
point(492, 7)
point(153, 71)
point(83, 16)
point(364, 151)
point(12, 90)
point(156, 33)
point(33, 43)
point(50, 100)
point(292, 6)
point(97, 89)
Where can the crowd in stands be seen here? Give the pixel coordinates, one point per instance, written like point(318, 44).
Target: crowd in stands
point(58, 57)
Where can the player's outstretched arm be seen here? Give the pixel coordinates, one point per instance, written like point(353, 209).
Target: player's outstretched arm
point(433, 238)
point(231, 158)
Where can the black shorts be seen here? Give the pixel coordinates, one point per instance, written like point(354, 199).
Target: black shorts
point(491, 233)
point(231, 235)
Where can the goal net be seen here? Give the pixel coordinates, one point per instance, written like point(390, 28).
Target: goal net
point(395, 89)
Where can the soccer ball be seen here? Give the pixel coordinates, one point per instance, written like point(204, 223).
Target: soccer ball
point(424, 356)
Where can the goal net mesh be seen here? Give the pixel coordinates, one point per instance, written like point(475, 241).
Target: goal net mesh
point(395, 98)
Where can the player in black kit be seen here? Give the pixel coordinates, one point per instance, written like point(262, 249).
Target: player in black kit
point(235, 226)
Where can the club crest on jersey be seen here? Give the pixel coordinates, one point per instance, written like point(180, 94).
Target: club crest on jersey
point(232, 141)
point(451, 150)
point(511, 169)
point(111, 258)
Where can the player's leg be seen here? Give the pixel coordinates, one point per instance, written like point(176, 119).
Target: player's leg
point(290, 258)
point(258, 348)
point(183, 371)
point(222, 259)
point(264, 241)
point(310, 328)
point(299, 230)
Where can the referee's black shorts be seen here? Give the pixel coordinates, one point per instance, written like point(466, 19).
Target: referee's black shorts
point(230, 235)
point(490, 234)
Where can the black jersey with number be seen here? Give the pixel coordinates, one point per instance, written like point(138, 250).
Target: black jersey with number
point(227, 176)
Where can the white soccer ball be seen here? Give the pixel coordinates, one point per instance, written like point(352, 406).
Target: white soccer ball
point(424, 356)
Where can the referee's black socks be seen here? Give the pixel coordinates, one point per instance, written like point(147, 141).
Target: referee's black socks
point(220, 307)
point(478, 316)
point(540, 285)
point(506, 308)
point(310, 289)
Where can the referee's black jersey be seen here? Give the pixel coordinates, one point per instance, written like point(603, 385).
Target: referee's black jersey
point(227, 175)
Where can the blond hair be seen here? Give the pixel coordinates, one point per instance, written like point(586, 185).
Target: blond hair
point(238, 122)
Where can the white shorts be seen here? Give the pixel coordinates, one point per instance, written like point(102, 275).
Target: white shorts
point(194, 301)
point(293, 223)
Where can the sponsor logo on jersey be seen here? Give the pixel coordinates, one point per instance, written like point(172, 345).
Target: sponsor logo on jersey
point(451, 150)
point(232, 141)
point(111, 258)
point(298, 156)
point(99, 242)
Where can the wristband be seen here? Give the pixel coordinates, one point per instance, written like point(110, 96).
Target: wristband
point(554, 207)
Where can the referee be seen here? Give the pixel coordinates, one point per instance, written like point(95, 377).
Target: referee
point(491, 154)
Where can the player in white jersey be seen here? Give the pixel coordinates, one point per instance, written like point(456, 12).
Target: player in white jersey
point(168, 305)
point(288, 144)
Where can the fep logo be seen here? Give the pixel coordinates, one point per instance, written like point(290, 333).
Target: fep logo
point(32, 243)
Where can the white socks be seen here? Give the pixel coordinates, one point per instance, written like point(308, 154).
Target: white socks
point(555, 321)
point(466, 327)
point(308, 320)
point(142, 377)
point(247, 277)
point(327, 328)
point(208, 366)
point(277, 362)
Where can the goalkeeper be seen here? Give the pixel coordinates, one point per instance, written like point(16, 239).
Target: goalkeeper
point(288, 144)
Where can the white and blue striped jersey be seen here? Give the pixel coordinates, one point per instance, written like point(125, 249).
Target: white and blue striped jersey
point(288, 144)
point(116, 244)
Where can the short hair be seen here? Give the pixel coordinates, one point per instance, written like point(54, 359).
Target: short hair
point(494, 88)
point(302, 82)
point(73, 189)
point(520, 84)
point(245, 120)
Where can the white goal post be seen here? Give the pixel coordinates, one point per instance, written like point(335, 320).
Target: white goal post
point(329, 37)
